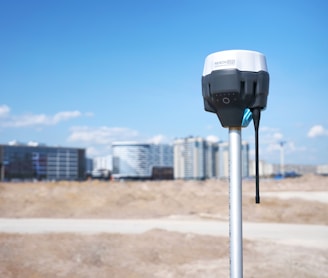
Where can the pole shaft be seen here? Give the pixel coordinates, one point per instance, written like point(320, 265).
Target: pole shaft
point(235, 202)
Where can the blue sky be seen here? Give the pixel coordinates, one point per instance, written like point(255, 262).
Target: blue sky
point(86, 73)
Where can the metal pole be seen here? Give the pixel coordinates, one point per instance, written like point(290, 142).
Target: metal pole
point(235, 204)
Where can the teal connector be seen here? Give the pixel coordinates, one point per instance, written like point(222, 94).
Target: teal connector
point(247, 118)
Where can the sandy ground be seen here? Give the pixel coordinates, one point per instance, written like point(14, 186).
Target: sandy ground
point(159, 253)
point(292, 234)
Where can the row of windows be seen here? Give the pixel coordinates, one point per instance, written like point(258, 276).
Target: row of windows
point(62, 177)
point(61, 166)
point(59, 162)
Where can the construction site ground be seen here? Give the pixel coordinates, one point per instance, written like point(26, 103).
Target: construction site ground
point(293, 213)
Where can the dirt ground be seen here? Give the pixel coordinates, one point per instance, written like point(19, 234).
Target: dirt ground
point(157, 253)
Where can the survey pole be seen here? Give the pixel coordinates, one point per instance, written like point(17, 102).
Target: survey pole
point(235, 86)
point(235, 204)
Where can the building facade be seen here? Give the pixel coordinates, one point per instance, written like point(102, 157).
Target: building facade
point(41, 162)
point(102, 162)
point(223, 171)
point(195, 158)
point(211, 159)
point(137, 160)
point(224, 160)
point(244, 159)
point(265, 169)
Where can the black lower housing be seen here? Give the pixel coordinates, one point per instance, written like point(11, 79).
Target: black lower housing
point(229, 92)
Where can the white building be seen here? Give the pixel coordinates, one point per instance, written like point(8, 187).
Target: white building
point(161, 155)
point(322, 170)
point(211, 159)
point(224, 159)
point(195, 158)
point(265, 169)
point(244, 159)
point(103, 162)
point(136, 160)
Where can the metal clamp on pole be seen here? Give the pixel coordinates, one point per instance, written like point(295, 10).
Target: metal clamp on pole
point(235, 86)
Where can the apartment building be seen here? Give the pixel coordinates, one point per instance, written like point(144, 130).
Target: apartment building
point(36, 161)
point(195, 158)
point(223, 171)
point(137, 160)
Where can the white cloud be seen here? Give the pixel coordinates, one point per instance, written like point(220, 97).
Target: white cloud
point(277, 136)
point(268, 129)
point(317, 130)
point(272, 147)
point(64, 116)
point(101, 135)
point(270, 136)
point(291, 147)
point(27, 120)
point(33, 120)
point(270, 139)
point(92, 152)
point(158, 139)
point(209, 127)
point(100, 139)
point(288, 146)
point(212, 138)
point(98, 150)
point(4, 110)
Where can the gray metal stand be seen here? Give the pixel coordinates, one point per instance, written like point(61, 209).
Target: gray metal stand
point(235, 203)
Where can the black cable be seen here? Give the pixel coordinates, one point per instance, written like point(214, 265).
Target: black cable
point(256, 113)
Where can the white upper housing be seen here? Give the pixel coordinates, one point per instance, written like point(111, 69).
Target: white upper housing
point(243, 60)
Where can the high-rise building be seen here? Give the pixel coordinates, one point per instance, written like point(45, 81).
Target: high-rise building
point(224, 159)
point(244, 159)
point(211, 159)
point(136, 160)
point(195, 158)
point(33, 161)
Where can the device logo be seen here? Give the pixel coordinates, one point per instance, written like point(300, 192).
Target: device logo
point(223, 63)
